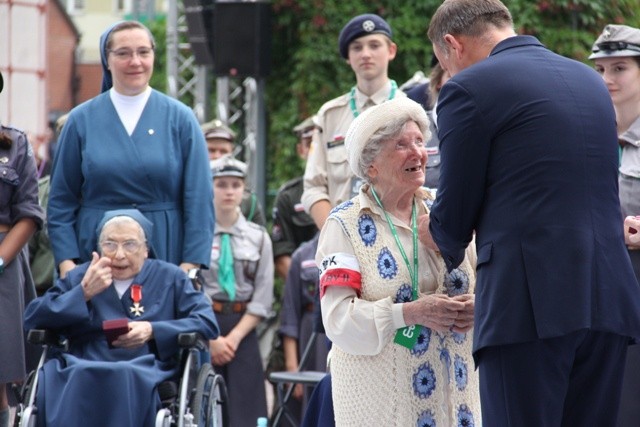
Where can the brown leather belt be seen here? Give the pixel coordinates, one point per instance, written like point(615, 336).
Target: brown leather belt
point(229, 307)
point(4, 228)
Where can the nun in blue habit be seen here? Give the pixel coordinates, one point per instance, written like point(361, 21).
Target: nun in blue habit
point(94, 384)
point(131, 147)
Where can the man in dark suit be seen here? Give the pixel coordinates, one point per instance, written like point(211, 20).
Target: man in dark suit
point(529, 163)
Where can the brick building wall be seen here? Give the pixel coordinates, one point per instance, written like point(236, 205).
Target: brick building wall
point(90, 76)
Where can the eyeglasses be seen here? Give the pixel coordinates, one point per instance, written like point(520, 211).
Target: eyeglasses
point(127, 54)
point(110, 247)
point(613, 46)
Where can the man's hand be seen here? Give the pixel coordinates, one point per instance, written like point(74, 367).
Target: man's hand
point(424, 234)
point(464, 321)
point(632, 232)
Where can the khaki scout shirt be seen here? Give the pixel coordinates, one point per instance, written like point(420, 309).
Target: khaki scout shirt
point(327, 175)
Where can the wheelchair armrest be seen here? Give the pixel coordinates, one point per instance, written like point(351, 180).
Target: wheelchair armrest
point(193, 339)
point(196, 278)
point(46, 337)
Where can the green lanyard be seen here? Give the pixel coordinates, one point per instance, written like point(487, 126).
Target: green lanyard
point(352, 97)
point(413, 272)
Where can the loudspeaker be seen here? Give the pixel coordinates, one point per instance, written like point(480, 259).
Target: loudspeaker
point(242, 38)
point(199, 16)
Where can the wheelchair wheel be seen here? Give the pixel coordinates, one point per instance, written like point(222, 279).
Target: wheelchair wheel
point(209, 400)
point(25, 410)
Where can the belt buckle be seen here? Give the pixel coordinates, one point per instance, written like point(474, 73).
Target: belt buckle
point(229, 307)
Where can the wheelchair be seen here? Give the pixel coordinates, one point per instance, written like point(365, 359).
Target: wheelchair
point(196, 399)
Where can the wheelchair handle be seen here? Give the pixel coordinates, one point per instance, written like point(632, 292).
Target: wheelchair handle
point(193, 339)
point(46, 337)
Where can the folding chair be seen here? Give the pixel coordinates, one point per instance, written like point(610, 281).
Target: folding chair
point(283, 378)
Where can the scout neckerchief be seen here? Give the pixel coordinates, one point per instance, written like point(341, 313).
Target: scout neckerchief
point(352, 97)
point(408, 335)
point(226, 275)
point(136, 296)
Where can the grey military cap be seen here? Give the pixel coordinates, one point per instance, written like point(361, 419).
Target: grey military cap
point(616, 40)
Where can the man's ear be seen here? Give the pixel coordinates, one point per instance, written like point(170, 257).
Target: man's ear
point(454, 44)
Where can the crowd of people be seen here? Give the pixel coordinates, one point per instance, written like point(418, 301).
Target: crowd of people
point(465, 253)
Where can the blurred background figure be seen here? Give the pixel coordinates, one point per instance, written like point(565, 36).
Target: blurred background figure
point(299, 319)
point(616, 54)
point(221, 141)
point(291, 224)
point(41, 257)
point(426, 94)
point(240, 284)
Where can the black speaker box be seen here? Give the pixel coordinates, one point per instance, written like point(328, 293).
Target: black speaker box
point(242, 38)
point(199, 17)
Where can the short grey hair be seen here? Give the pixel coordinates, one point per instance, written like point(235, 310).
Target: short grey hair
point(471, 18)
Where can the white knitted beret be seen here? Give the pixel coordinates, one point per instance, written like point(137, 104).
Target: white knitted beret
point(375, 118)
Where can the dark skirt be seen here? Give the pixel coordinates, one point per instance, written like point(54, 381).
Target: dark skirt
point(243, 376)
point(16, 291)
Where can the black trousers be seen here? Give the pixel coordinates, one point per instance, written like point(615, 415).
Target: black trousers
point(573, 380)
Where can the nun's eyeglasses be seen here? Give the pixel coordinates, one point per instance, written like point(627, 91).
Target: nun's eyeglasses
point(110, 247)
point(128, 54)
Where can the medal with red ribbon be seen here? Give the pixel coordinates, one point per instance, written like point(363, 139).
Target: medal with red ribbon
point(136, 296)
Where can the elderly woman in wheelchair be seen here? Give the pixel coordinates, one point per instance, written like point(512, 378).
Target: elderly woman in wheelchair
point(121, 313)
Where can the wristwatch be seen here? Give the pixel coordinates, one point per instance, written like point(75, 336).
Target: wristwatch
point(1, 265)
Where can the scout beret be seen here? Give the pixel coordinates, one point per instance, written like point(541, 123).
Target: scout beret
point(616, 40)
point(361, 25)
point(217, 129)
point(228, 166)
point(375, 118)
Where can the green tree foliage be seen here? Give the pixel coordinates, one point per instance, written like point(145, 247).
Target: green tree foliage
point(158, 28)
point(569, 27)
point(307, 69)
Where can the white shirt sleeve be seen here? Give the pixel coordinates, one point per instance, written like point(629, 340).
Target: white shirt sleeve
point(358, 326)
point(355, 325)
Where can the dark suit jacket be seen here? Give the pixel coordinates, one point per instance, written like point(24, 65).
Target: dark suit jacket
point(529, 161)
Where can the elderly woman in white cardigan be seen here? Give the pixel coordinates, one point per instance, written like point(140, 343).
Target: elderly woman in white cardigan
point(398, 321)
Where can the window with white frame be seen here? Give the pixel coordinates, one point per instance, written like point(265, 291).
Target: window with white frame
point(75, 6)
point(122, 7)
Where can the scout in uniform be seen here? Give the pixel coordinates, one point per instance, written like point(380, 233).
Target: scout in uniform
point(366, 44)
point(291, 224)
point(221, 142)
